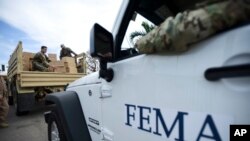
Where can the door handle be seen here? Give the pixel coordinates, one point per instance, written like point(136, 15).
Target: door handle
point(216, 73)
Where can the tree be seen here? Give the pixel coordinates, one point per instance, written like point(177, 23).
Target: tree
point(137, 34)
point(86, 63)
point(92, 63)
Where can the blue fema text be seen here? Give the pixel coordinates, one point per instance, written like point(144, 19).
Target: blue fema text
point(144, 116)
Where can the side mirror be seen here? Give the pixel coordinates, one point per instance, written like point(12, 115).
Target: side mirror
point(101, 46)
point(101, 43)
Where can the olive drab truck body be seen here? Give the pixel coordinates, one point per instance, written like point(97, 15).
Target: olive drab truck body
point(25, 84)
point(156, 91)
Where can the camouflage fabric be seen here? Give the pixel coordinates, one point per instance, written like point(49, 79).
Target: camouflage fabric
point(4, 107)
point(65, 52)
point(176, 34)
point(41, 92)
point(40, 62)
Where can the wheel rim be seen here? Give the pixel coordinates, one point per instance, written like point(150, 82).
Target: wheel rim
point(54, 132)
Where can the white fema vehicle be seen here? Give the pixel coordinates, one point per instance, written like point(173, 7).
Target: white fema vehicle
point(189, 96)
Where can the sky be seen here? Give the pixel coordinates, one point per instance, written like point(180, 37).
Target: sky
point(51, 23)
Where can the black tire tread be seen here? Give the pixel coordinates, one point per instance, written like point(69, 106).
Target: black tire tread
point(16, 102)
point(55, 118)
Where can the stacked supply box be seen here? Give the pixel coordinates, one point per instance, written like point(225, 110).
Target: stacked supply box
point(52, 57)
point(70, 64)
point(27, 58)
point(58, 65)
point(66, 65)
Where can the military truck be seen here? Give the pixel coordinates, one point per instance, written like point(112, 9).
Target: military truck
point(187, 79)
point(28, 87)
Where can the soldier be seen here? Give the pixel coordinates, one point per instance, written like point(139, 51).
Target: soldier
point(41, 61)
point(175, 34)
point(4, 107)
point(66, 52)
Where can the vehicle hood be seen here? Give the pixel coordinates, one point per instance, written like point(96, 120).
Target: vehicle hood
point(92, 78)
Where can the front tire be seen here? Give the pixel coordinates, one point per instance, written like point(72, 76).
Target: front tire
point(55, 129)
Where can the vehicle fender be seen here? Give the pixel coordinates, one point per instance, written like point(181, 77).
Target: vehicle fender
point(69, 109)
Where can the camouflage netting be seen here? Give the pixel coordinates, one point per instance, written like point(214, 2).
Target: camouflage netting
point(174, 35)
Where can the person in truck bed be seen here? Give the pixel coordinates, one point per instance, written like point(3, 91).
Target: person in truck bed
point(66, 52)
point(41, 61)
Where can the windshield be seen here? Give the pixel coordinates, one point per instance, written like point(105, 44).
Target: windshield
point(144, 16)
point(138, 27)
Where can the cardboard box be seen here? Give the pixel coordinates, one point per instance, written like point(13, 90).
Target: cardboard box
point(52, 57)
point(27, 55)
point(60, 69)
point(27, 58)
point(69, 61)
point(57, 63)
point(70, 64)
point(71, 69)
point(30, 64)
point(26, 67)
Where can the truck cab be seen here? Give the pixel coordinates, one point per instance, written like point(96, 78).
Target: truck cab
point(193, 95)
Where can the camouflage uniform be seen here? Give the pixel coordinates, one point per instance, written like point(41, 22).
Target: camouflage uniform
point(66, 52)
point(174, 35)
point(40, 62)
point(4, 107)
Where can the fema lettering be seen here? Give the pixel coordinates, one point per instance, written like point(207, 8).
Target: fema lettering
point(144, 115)
point(239, 132)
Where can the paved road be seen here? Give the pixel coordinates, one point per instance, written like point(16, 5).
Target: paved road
point(31, 127)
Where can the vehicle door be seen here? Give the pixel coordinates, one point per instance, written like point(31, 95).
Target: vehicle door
point(171, 96)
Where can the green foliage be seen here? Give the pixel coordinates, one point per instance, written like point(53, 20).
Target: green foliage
point(147, 27)
point(137, 34)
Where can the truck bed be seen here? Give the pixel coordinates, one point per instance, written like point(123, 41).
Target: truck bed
point(28, 80)
point(36, 78)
